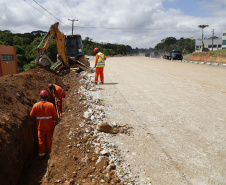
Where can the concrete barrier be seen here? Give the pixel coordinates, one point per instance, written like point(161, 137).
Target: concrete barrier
point(214, 64)
point(201, 62)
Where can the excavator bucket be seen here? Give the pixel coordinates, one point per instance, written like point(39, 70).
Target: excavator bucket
point(84, 64)
point(44, 60)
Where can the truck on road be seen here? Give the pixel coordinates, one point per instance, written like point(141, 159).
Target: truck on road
point(174, 55)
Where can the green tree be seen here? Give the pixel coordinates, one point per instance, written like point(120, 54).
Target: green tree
point(31, 65)
point(170, 43)
point(17, 40)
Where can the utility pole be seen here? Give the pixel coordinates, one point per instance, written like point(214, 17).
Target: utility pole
point(191, 43)
point(203, 26)
point(212, 38)
point(73, 20)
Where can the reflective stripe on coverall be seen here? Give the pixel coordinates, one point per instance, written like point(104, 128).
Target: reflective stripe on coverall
point(45, 114)
point(100, 64)
point(59, 93)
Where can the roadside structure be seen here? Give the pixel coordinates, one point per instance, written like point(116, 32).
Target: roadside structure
point(217, 44)
point(8, 60)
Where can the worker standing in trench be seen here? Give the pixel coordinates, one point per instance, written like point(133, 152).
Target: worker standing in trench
point(46, 117)
point(59, 94)
point(99, 65)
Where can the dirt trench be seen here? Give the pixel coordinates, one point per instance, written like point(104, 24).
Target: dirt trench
point(18, 133)
point(73, 160)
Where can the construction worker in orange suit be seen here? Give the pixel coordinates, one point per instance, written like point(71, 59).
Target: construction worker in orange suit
point(46, 118)
point(59, 94)
point(99, 65)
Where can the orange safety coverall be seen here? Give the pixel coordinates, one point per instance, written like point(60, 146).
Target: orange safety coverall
point(59, 93)
point(45, 114)
point(99, 71)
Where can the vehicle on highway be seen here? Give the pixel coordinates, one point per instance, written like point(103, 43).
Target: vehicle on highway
point(205, 50)
point(174, 55)
point(147, 54)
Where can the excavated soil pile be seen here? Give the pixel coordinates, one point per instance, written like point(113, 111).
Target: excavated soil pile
point(76, 157)
point(219, 59)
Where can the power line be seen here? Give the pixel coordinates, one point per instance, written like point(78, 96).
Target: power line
point(118, 28)
point(64, 7)
point(128, 29)
point(69, 7)
point(37, 9)
point(55, 6)
point(93, 27)
point(46, 10)
point(49, 12)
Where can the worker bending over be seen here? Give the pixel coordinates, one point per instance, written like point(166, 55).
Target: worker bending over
point(59, 94)
point(46, 118)
point(99, 65)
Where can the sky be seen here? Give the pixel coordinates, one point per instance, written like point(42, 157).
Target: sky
point(138, 23)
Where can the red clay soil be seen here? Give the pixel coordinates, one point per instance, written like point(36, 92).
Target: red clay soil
point(18, 134)
point(219, 59)
point(73, 159)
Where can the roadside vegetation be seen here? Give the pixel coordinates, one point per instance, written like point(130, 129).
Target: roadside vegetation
point(186, 45)
point(216, 53)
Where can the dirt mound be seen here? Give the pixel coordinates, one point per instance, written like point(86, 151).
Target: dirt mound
point(204, 58)
point(77, 156)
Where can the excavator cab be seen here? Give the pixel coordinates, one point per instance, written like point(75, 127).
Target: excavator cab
point(73, 46)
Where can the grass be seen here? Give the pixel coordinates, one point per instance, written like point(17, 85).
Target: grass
point(216, 53)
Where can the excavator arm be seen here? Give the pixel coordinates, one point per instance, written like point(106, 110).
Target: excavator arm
point(54, 33)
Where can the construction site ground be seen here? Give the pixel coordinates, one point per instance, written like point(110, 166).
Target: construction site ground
point(168, 119)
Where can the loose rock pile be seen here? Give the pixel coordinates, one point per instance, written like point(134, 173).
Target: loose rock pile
point(104, 131)
point(84, 151)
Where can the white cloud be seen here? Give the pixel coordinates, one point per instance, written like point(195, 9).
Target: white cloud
point(148, 19)
point(215, 8)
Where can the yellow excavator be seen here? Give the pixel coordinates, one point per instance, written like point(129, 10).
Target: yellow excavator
point(70, 51)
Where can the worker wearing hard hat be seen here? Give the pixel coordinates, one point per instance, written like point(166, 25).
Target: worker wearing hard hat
point(99, 65)
point(59, 94)
point(46, 118)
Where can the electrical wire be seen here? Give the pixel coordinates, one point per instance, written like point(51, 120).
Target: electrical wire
point(64, 7)
point(50, 13)
point(70, 8)
point(46, 10)
point(55, 6)
point(128, 29)
point(91, 27)
point(125, 29)
point(37, 9)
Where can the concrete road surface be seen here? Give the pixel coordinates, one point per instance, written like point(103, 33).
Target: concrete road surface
point(178, 114)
